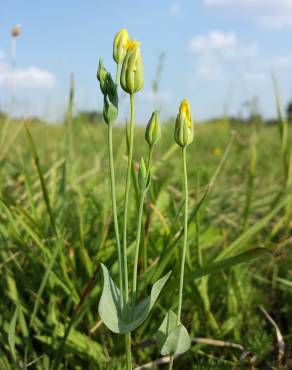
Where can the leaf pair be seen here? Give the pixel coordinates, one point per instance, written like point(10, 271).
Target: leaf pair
point(172, 337)
point(125, 319)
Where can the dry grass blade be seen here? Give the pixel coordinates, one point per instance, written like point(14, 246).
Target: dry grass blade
point(14, 255)
point(280, 339)
point(218, 343)
point(161, 361)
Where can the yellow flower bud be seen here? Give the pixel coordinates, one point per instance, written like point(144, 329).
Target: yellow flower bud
point(183, 133)
point(132, 75)
point(120, 43)
point(153, 131)
point(217, 152)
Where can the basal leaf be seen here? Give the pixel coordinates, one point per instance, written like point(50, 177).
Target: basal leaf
point(109, 308)
point(128, 318)
point(172, 338)
point(168, 324)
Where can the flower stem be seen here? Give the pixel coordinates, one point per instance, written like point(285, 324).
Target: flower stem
point(138, 234)
point(118, 73)
point(138, 237)
point(170, 363)
point(183, 258)
point(128, 351)
point(114, 208)
point(181, 282)
point(197, 219)
point(127, 190)
point(123, 267)
point(145, 254)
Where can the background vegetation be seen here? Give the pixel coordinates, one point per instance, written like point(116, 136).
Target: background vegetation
point(56, 226)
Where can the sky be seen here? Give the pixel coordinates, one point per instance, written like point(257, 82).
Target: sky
point(219, 54)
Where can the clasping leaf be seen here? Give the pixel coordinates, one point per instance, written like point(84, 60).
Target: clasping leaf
point(128, 318)
point(172, 338)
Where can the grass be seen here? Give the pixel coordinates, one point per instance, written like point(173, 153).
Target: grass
point(52, 241)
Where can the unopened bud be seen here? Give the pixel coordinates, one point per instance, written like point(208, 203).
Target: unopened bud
point(183, 133)
point(109, 90)
point(119, 47)
point(132, 74)
point(153, 131)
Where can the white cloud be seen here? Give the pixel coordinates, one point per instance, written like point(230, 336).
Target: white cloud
point(214, 40)
point(31, 77)
point(225, 43)
point(26, 78)
point(268, 5)
point(276, 21)
point(269, 13)
point(174, 9)
point(244, 52)
point(215, 49)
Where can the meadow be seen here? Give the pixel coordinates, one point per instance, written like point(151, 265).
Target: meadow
point(133, 247)
point(56, 227)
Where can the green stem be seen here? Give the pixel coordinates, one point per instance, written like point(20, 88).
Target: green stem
point(118, 73)
point(170, 363)
point(114, 208)
point(138, 237)
point(138, 234)
point(149, 160)
point(145, 254)
point(128, 351)
point(181, 282)
point(183, 259)
point(127, 190)
point(199, 251)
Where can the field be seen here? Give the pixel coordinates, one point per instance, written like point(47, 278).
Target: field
point(56, 226)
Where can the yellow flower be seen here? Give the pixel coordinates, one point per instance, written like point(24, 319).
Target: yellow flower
point(132, 44)
point(132, 75)
point(185, 110)
point(217, 151)
point(183, 133)
point(120, 44)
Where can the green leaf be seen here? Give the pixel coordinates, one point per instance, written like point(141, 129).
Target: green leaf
point(125, 320)
point(11, 334)
point(172, 338)
point(239, 244)
point(77, 344)
point(227, 263)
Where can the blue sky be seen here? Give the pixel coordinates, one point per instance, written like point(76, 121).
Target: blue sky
point(219, 54)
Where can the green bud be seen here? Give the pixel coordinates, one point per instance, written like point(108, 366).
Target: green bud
point(119, 47)
point(132, 74)
point(102, 76)
point(143, 178)
point(110, 95)
point(153, 131)
point(183, 133)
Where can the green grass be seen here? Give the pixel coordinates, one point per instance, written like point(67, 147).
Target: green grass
point(50, 281)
